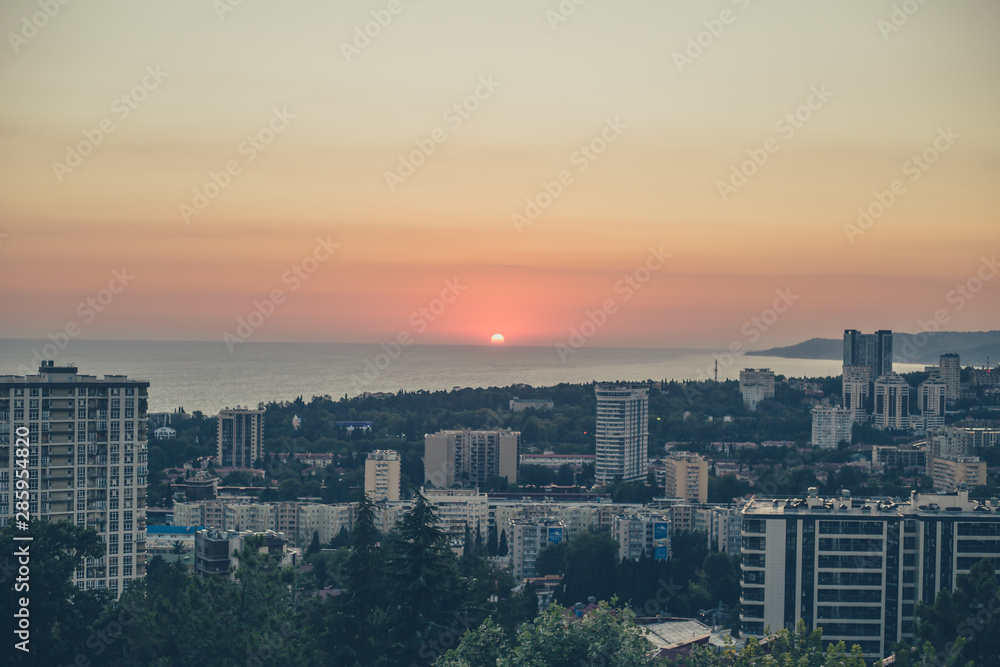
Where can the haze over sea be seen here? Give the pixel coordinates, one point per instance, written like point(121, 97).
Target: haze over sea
point(198, 375)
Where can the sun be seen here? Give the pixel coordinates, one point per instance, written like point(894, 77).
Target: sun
point(497, 339)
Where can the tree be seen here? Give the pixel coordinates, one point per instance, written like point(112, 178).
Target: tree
point(363, 618)
point(425, 578)
point(591, 559)
point(313, 545)
point(61, 615)
point(967, 611)
point(502, 550)
point(491, 541)
point(605, 636)
point(551, 559)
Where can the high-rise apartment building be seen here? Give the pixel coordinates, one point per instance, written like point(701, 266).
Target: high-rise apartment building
point(382, 475)
point(86, 459)
point(470, 457)
point(951, 373)
point(856, 389)
point(892, 402)
point(241, 437)
point(858, 568)
point(756, 385)
point(686, 476)
point(873, 351)
point(622, 433)
point(830, 426)
point(931, 398)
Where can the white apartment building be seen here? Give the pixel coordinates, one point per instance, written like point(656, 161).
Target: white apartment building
point(892, 402)
point(756, 385)
point(931, 398)
point(527, 537)
point(86, 442)
point(858, 568)
point(382, 475)
point(951, 374)
point(240, 437)
point(642, 534)
point(622, 433)
point(831, 425)
point(856, 390)
point(470, 457)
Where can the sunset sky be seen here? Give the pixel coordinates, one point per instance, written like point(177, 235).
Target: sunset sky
point(180, 87)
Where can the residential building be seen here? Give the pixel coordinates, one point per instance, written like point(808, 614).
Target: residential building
point(86, 441)
point(756, 385)
point(470, 457)
point(892, 402)
point(831, 425)
point(326, 521)
point(856, 390)
point(686, 477)
point(458, 509)
point(642, 534)
point(529, 536)
point(240, 437)
point(954, 472)
point(622, 432)
point(951, 373)
point(858, 568)
point(903, 456)
point(931, 397)
point(216, 551)
point(985, 377)
point(520, 404)
point(382, 475)
point(947, 442)
point(874, 351)
point(556, 461)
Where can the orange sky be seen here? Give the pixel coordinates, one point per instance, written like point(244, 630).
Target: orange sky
point(197, 85)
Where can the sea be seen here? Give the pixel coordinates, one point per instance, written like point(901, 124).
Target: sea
point(207, 376)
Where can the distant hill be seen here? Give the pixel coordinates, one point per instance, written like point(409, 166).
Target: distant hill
point(972, 346)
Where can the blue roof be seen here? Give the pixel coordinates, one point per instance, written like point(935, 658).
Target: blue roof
point(173, 530)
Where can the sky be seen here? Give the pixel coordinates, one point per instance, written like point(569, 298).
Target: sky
point(650, 174)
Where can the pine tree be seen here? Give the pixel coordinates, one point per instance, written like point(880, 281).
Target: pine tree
point(314, 545)
point(491, 541)
point(502, 549)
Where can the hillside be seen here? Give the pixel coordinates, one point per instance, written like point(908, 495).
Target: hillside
point(973, 346)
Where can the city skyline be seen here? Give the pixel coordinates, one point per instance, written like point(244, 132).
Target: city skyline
point(687, 172)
